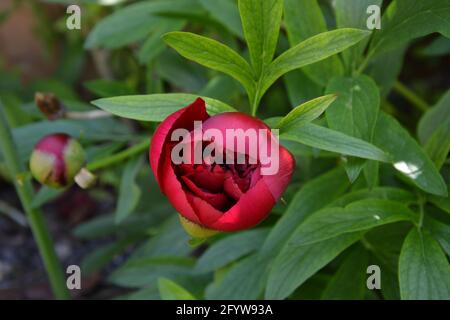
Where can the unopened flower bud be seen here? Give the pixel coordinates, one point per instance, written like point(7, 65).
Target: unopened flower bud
point(56, 160)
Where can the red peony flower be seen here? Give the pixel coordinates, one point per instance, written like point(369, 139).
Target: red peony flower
point(213, 195)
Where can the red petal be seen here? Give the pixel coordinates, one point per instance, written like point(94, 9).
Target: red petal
point(183, 118)
point(217, 200)
point(277, 183)
point(172, 188)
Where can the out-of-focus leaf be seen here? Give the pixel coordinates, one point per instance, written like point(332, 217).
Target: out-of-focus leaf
point(408, 157)
point(304, 19)
point(181, 73)
point(434, 118)
point(108, 88)
point(311, 50)
point(349, 281)
point(243, 281)
point(434, 131)
point(155, 107)
point(300, 88)
point(295, 264)
point(231, 248)
point(387, 193)
point(170, 239)
point(227, 13)
point(146, 271)
point(440, 231)
point(94, 129)
point(353, 14)
point(46, 194)
point(354, 112)
point(424, 272)
point(357, 216)
point(100, 257)
point(170, 290)
point(306, 112)
point(222, 88)
point(212, 54)
point(135, 22)
point(154, 46)
point(261, 23)
point(129, 191)
point(439, 47)
point(405, 20)
point(386, 77)
point(323, 138)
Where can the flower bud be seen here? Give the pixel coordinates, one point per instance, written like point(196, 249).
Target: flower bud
point(56, 160)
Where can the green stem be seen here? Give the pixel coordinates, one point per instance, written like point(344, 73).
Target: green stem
point(35, 218)
point(409, 95)
point(118, 157)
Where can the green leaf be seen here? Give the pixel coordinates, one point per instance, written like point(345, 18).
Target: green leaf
point(408, 157)
point(101, 256)
point(261, 23)
point(326, 139)
point(212, 54)
point(146, 271)
point(357, 216)
point(170, 290)
point(108, 88)
point(387, 193)
point(442, 203)
point(439, 47)
point(135, 22)
point(306, 112)
point(300, 88)
point(227, 13)
point(440, 231)
point(244, 281)
point(182, 74)
point(354, 112)
point(295, 264)
point(230, 248)
point(434, 131)
point(434, 118)
point(405, 20)
point(129, 191)
point(314, 195)
point(154, 46)
point(353, 14)
point(349, 282)
point(309, 51)
point(155, 107)
point(304, 19)
point(424, 272)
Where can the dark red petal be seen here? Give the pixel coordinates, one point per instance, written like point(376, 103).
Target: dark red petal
point(211, 181)
point(183, 118)
point(231, 188)
point(277, 183)
point(250, 210)
point(217, 200)
point(172, 188)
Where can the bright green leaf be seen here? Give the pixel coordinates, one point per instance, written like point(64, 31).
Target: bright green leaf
point(306, 112)
point(212, 54)
point(424, 272)
point(155, 107)
point(170, 290)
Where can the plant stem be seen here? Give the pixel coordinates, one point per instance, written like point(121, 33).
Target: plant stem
point(118, 157)
point(409, 95)
point(35, 218)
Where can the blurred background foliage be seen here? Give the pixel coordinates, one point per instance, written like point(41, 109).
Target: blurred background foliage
point(123, 232)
